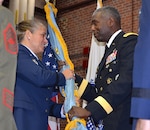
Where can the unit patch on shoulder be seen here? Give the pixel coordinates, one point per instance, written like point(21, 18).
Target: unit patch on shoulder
point(128, 34)
point(10, 40)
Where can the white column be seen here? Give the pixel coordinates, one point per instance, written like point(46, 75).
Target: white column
point(14, 7)
point(31, 7)
point(23, 10)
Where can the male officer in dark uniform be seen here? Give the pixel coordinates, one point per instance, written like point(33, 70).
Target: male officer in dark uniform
point(8, 61)
point(140, 107)
point(110, 99)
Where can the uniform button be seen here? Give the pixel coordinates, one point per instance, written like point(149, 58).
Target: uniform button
point(110, 70)
point(100, 77)
point(47, 99)
point(48, 88)
point(114, 62)
point(113, 43)
point(46, 110)
point(101, 88)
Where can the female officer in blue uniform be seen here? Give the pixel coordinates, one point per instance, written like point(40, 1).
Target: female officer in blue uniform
point(34, 83)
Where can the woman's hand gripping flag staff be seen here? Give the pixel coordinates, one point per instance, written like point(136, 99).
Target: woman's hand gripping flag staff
point(60, 49)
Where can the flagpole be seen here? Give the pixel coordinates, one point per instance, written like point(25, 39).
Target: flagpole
point(30, 11)
point(46, 1)
point(54, 2)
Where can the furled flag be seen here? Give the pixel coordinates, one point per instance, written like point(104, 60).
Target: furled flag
point(60, 49)
point(96, 53)
point(50, 61)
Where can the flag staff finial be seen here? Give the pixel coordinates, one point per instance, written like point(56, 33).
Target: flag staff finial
point(46, 1)
point(54, 2)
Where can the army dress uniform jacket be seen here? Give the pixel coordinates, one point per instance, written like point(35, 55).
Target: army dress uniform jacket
point(110, 99)
point(33, 91)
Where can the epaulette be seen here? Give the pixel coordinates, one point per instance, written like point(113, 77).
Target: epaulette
point(130, 33)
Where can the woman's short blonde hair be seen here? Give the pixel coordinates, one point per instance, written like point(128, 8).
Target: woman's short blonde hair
point(30, 25)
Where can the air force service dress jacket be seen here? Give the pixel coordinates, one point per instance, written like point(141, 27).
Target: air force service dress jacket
point(110, 99)
point(34, 83)
point(140, 105)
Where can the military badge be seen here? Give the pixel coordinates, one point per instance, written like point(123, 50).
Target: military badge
point(34, 60)
point(111, 57)
point(109, 80)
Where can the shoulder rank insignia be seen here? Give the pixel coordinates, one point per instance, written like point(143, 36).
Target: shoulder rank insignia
point(128, 34)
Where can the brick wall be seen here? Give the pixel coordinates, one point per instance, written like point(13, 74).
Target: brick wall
point(74, 21)
point(75, 24)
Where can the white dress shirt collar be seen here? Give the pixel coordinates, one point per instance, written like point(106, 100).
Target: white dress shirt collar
point(32, 52)
point(112, 38)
